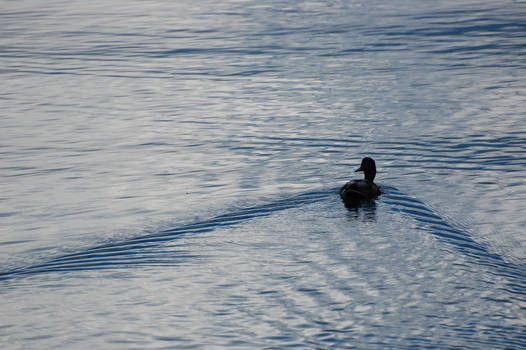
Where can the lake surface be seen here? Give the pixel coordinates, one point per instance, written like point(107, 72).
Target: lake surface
point(170, 170)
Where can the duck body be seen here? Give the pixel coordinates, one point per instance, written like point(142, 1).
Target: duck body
point(359, 189)
point(356, 191)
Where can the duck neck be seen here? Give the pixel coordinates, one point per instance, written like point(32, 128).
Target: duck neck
point(369, 175)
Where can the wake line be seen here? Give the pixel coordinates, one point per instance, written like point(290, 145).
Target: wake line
point(141, 250)
point(145, 250)
point(460, 239)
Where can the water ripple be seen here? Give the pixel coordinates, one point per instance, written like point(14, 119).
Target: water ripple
point(457, 237)
point(141, 250)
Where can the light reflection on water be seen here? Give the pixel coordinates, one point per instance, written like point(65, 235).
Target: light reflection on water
point(169, 175)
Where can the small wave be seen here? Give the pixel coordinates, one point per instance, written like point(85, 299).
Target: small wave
point(461, 239)
point(145, 250)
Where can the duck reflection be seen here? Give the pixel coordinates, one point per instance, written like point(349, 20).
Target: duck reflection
point(364, 210)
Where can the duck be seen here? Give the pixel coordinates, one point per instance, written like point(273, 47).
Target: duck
point(355, 191)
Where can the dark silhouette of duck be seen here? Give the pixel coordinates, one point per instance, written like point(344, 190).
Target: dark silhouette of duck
point(356, 191)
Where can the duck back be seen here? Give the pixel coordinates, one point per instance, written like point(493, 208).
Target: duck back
point(358, 190)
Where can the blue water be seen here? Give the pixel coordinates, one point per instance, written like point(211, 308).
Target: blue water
point(169, 174)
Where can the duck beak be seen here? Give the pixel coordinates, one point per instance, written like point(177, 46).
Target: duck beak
point(359, 169)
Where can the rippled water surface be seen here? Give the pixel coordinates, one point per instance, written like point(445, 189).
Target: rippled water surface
point(169, 174)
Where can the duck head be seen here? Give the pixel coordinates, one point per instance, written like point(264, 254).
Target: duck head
point(368, 167)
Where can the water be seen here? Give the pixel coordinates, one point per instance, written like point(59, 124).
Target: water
point(170, 171)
